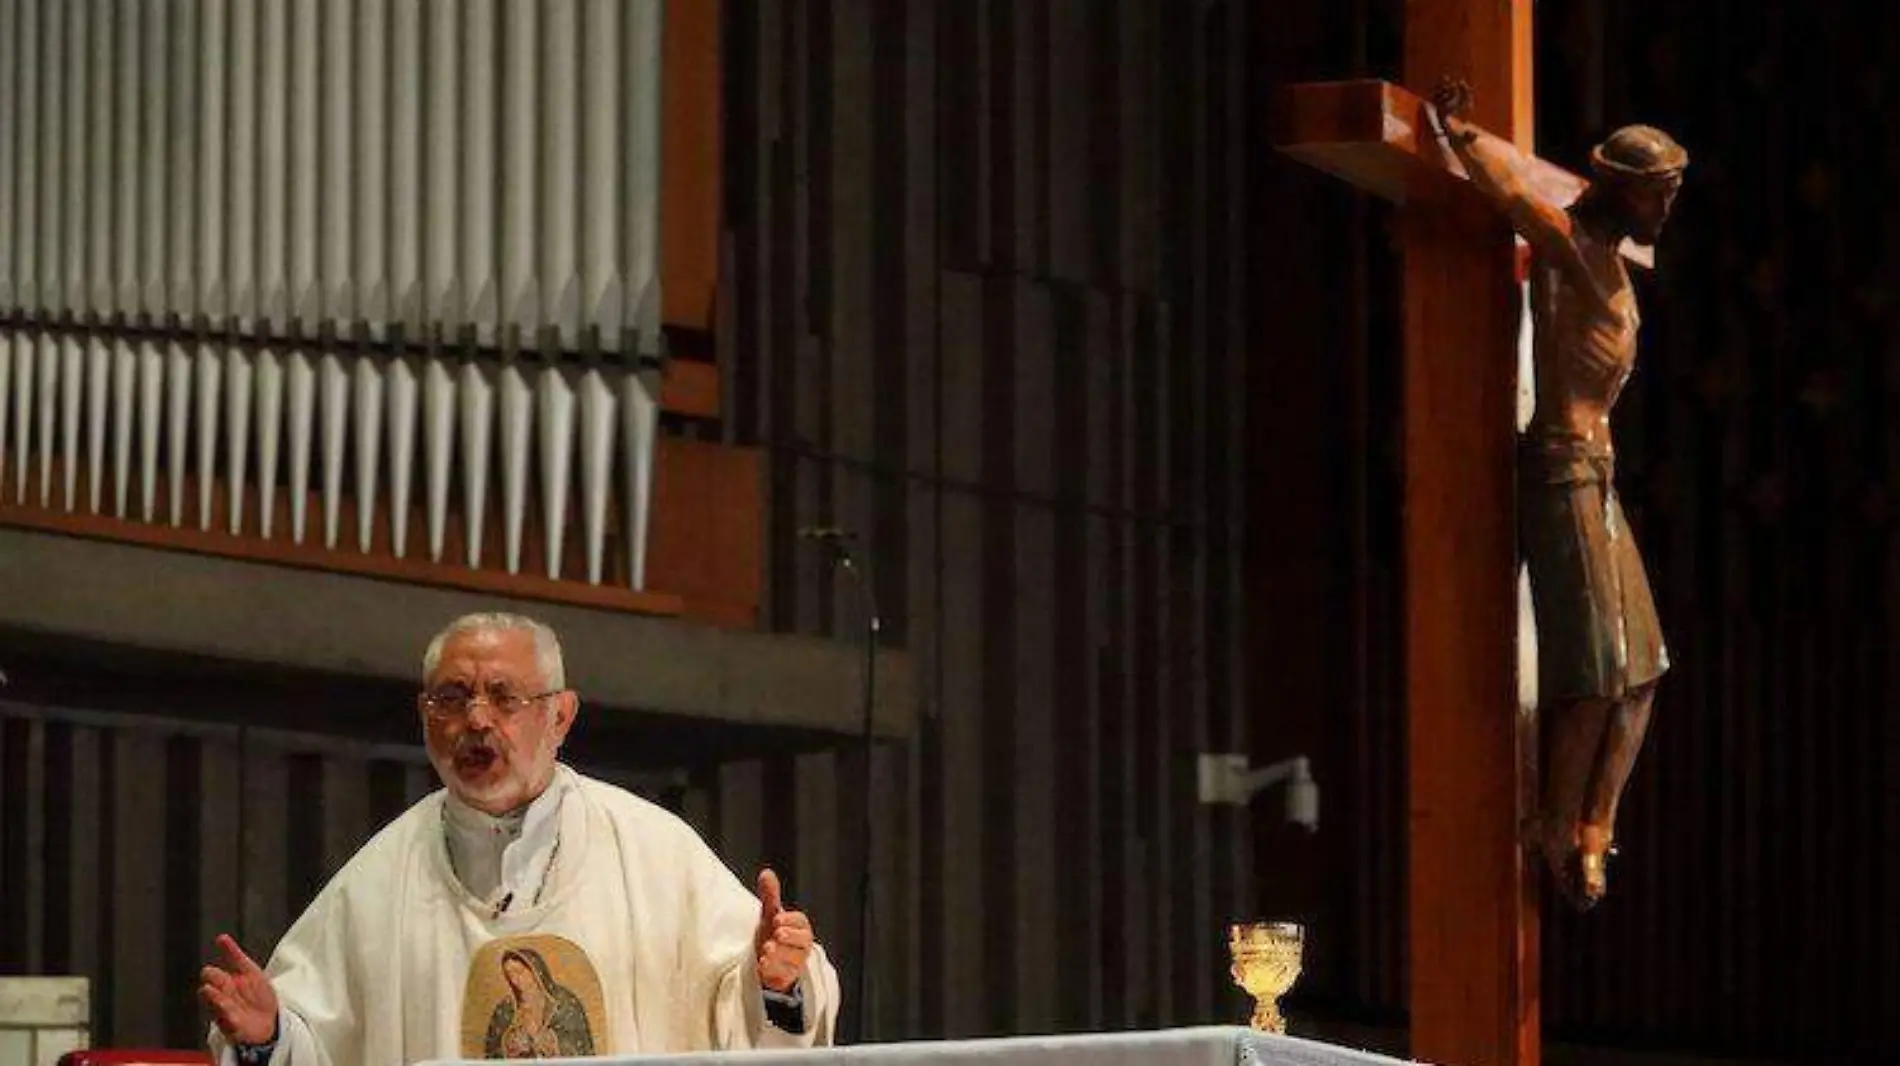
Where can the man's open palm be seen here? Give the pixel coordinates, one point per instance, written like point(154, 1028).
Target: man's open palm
point(243, 1003)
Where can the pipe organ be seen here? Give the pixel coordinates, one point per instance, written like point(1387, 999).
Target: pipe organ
point(378, 275)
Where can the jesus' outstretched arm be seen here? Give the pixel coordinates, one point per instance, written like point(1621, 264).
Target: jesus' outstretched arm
point(1497, 169)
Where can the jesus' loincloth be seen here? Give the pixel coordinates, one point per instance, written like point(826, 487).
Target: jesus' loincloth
point(1598, 636)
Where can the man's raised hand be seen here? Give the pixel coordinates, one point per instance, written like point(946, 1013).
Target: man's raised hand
point(243, 1003)
point(783, 939)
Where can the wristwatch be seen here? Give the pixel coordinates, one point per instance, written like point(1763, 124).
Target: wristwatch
point(258, 1054)
point(785, 1010)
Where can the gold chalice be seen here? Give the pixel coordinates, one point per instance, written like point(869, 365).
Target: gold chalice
point(1266, 963)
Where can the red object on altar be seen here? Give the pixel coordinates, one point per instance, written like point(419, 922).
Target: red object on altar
point(133, 1057)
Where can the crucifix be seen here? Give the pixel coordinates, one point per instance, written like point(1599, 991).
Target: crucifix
point(1473, 758)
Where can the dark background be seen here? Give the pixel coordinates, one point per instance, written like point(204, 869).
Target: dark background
point(1752, 910)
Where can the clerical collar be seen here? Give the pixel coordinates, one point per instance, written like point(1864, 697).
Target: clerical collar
point(509, 824)
point(505, 859)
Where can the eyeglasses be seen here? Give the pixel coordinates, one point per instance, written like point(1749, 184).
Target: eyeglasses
point(455, 705)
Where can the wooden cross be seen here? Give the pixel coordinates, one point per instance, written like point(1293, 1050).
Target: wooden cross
point(1472, 888)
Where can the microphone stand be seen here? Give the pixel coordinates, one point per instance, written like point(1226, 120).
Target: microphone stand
point(840, 545)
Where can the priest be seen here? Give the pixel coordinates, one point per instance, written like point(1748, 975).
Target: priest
point(523, 911)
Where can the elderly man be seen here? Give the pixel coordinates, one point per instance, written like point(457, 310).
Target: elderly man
point(524, 910)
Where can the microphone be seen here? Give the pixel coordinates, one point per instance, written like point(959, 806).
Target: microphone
point(840, 542)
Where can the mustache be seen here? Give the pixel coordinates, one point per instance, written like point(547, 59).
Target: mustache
point(471, 743)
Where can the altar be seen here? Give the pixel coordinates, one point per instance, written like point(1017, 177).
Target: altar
point(1201, 1046)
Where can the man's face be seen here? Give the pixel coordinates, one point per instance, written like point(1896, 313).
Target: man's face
point(1646, 205)
point(493, 755)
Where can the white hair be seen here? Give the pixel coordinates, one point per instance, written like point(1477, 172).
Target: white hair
point(547, 646)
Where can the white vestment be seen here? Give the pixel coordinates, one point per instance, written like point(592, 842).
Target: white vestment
point(378, 969)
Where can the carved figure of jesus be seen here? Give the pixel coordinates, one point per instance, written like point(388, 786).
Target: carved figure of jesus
point(1601, 652)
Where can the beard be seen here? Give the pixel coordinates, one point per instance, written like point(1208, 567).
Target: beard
point(490, 773)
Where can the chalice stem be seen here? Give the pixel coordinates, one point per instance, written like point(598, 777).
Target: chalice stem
point(1267, 1017)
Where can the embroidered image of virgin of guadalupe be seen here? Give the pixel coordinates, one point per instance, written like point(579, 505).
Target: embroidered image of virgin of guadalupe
point(540, 1018)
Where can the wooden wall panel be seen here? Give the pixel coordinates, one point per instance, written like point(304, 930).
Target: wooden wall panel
point(1036, 467)
point(692, 171)
point(135, 878)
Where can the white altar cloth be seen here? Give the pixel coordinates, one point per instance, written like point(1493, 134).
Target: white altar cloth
point(1204, 1046)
